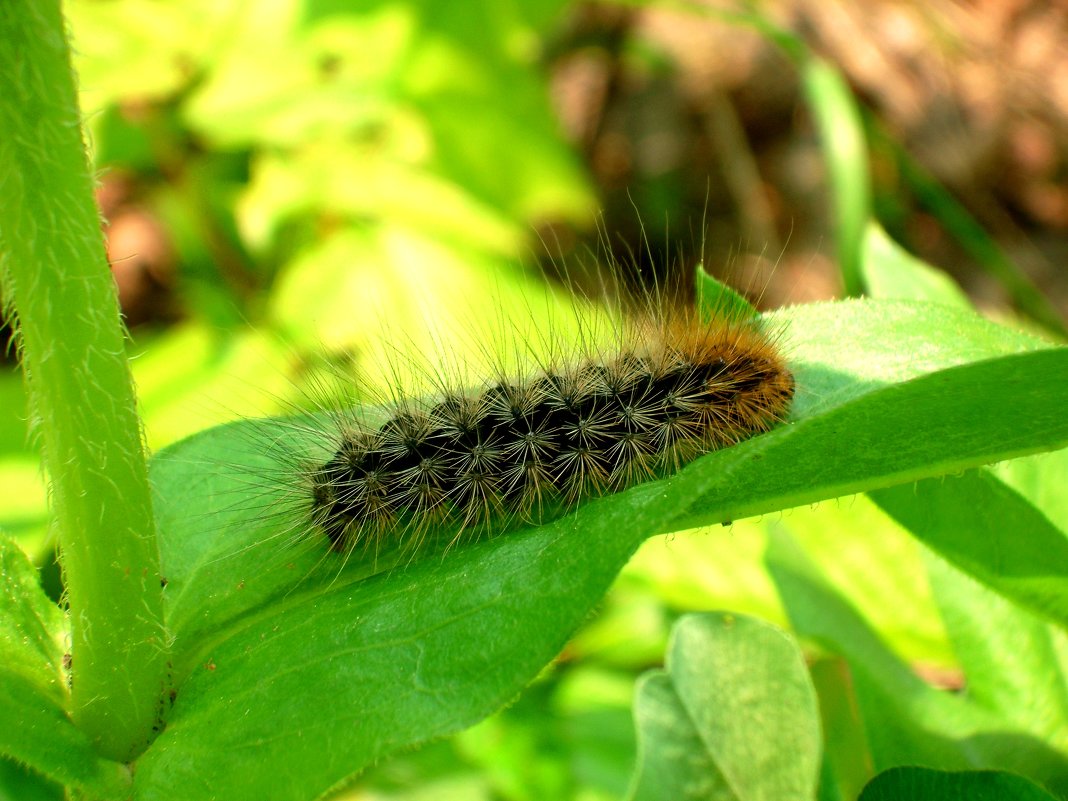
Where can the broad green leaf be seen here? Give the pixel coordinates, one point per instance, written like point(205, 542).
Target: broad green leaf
point(1041, 480)
point(888, 561)
point(889, 271)
point(925, 784)
point(665, 728)
point(892, 272)
point(230, 502)
point(433, 299)
point(990, 531)
point(370, 667)
point(397, 653)
point(905, 720)
point(894, 696)
point(930, 426)
point(733, 717)
point(33, 694)
point(261, 87)
point(393, 112)
point(842, 350)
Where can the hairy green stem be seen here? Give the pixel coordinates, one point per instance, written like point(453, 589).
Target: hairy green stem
point(57, 283)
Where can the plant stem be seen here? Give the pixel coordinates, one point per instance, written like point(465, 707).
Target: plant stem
point(58, 285)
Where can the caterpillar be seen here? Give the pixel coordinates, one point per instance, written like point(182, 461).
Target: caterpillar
point(622, 406)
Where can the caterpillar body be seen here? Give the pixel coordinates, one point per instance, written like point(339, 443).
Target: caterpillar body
point(662, 390)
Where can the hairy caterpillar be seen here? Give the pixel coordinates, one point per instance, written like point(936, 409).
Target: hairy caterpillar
point(616, 404)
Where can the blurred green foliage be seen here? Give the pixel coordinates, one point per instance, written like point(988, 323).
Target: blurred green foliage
point(321, 169)
point(415, 138)
point(325, 169)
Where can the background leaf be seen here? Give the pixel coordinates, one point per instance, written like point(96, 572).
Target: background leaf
point(846, 157)
point(1011, 658)
point(373, 665)
point(976, 522)
point(733, 716)
point(924, 784)
point(889, 271)
point(905, 720)
point(397, 659)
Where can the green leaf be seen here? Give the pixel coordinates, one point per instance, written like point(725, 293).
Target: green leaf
point(889, 271)
point(967, 520)
point(990, 531)
point(19, 783)
point(905, 720)
point(716, 299)
point(321, 685)
point(897, 695)
point(427, 113)
point(433, 298)
point(33, 688)
point(374, 665)
point(924, 784)
point(1041, 479)
point(1009, 655)
point(842, 350)
point(136, 49)
point(227, 497)
point(705, 723)
point(846, 155)
point(929, 426)
point(721, 567)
